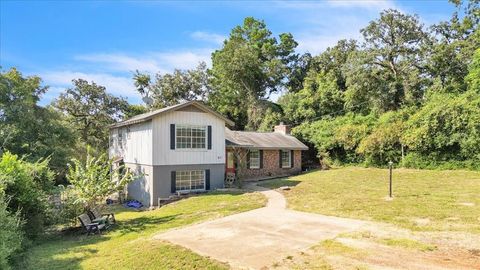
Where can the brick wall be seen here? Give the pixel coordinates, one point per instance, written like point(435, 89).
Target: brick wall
point(271, 166)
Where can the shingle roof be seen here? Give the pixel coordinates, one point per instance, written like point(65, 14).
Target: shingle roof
point(262, 140)
point(149, 115)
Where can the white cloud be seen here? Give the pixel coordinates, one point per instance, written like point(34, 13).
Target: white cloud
point(315, 44)
point(321, 36)
point(115, 70)
point(210, 37)
point(117, 85)
point(151, 62)
point(367, 4)
point(121, 62)
point(183, 59)
point(324, 5)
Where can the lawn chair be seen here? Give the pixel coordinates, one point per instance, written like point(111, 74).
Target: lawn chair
point(90, 227)
point(107, 218)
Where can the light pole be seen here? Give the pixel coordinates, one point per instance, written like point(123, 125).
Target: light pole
point(390, 165)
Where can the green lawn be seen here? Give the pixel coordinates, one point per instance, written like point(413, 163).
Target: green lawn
point(129, 245)
point(423, 200)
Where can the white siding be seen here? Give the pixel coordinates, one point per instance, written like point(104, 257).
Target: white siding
point(135, 145)
point(163, 155)
point(142, 188)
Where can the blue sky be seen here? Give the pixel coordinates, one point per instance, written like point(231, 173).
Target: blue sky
point(106, 41)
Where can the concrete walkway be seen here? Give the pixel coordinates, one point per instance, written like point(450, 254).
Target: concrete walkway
point(260, 237)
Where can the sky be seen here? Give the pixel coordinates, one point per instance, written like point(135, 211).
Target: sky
point(106, 41)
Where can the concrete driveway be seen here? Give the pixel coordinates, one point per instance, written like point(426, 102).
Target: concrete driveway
point(260, 237)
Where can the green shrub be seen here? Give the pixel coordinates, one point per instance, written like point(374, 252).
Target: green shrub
point(337, 139)
point(26, 184)
point(384, 144)
point(67, 207)
point(446, 129)
point(11, 235)
point(92, 180)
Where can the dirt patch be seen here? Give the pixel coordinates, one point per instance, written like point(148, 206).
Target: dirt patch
point(368, 253)
point(470, 204)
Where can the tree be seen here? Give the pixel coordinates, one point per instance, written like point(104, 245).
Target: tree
point(473, 77)
point(323, 85)
point(390, 68)
point(134, 109)
point(452, 48)
point(320, 97)
point(446, 128)
point(251, 65)
point(11, 235)
point(96, 179)
point(170, 89)
point(337, 138)
point(26, 186)
point(90, 109)
point(333, 61)
point(30, 130)
point(298, 71)
point(272, 116)
point(384, 143)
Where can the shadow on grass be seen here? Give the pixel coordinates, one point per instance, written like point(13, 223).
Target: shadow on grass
point(67, 250)
point(277, 183)
point(59, 251)
point(140, 224)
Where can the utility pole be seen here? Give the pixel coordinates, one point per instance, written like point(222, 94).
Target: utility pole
point(390, 165)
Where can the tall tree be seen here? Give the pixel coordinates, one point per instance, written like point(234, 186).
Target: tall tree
point(323, 86)
point(251, 65)
point(334, 59)
point(453, 45)
point(170, 89)
point(29, 129)
point(390, 68)
point(91, 109)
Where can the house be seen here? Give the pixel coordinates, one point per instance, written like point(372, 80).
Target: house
point(265, 154)
point(187, 147)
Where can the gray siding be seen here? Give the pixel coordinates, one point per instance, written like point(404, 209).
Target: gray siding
point(162, 177)
point(156, 180)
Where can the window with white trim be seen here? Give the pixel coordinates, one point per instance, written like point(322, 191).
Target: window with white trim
point(190, 180)
point(286, 159)
point(255, 159)
point(190, 137)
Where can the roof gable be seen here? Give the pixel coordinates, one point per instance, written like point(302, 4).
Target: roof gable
point(190, 106)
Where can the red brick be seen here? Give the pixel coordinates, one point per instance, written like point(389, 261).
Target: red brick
point(271, 166)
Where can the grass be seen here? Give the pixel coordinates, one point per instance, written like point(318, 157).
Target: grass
point(424, 200)
point(335, 247)
point(129, 245)
point(408, 243)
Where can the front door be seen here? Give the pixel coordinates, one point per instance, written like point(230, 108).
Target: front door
point(230, 162)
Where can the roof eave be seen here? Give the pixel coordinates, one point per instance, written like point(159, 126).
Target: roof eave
point(174, 108)
point(267, 148)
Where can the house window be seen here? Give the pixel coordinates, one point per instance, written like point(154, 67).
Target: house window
point(254, 159)
point(120, 138)
point(190, 137)
point(190, 180)
point(286, 159)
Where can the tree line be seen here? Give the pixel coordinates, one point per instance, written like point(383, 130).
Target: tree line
point(394, 95)
point(405, 93)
